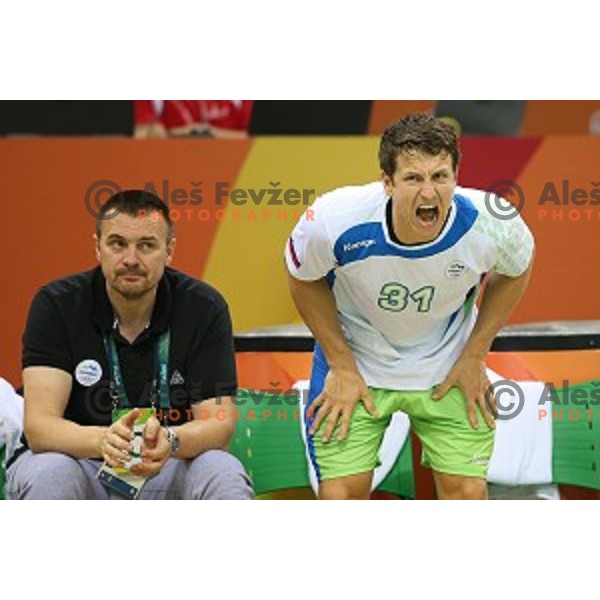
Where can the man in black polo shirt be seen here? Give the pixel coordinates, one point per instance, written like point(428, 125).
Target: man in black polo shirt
point(131, 333)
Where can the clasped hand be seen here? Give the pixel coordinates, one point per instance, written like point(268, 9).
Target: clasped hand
point(115, 445)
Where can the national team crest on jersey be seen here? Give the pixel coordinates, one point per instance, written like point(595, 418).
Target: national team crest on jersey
point(455, 269)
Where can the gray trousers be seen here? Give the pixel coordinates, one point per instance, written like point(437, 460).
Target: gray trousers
point(213, 475)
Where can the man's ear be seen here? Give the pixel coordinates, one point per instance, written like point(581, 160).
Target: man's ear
point(387, 183)
point(97, 248)
point(171, 250)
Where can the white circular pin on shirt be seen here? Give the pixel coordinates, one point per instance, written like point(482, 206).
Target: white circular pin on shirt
point(88, 372)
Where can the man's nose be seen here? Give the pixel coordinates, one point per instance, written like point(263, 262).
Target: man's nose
point(130, 257)
point(428, 190)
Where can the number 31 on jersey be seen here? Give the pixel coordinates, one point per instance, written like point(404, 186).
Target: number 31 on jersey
point(396, 297)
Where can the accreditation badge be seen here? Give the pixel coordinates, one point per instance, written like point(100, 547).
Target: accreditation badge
point(120, 479)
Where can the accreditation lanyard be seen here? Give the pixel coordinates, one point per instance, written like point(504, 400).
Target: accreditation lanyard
point(160, 384)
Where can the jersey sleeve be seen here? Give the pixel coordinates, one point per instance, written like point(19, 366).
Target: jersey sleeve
point(45, 341)
point(515, 245)
point(512, 239)
point(308, 251)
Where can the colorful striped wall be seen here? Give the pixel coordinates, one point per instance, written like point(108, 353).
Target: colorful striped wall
point(237, 244)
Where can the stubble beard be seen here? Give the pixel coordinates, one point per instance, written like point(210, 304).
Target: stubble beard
point(132, 292)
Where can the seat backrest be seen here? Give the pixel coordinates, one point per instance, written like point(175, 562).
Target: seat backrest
point(269, 444)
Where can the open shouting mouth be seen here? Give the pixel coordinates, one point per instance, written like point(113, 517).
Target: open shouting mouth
point(427, 215)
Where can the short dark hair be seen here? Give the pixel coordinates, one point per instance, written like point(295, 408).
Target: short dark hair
point(132, 203)
point(420, 132)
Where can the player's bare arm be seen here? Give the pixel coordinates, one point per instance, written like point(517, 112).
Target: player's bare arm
point(344, 386)
point(501, 296)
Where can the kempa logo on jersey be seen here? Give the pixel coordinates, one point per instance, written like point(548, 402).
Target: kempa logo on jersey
point(356, 245)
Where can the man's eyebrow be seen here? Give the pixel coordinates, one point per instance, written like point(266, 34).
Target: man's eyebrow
point(443, 169)
point(145, 238)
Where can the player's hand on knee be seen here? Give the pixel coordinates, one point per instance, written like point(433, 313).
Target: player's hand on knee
point(469, 375)
point(115, 443)
point(335, 405)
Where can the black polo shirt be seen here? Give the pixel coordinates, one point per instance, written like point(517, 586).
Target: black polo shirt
point(69, 318)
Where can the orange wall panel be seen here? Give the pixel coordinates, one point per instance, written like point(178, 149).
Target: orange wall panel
point(561, 117)
point(48, 231)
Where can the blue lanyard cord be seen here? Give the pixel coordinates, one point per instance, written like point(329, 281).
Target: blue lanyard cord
point(160, 382)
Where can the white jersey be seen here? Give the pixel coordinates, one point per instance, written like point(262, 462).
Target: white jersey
point(406, 311)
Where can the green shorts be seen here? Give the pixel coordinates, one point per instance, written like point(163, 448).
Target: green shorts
point(450, 444)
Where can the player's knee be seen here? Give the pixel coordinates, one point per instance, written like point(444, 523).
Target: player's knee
point(470, 489)
point(473, 488)
point(341, 490)
point(451, 487)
